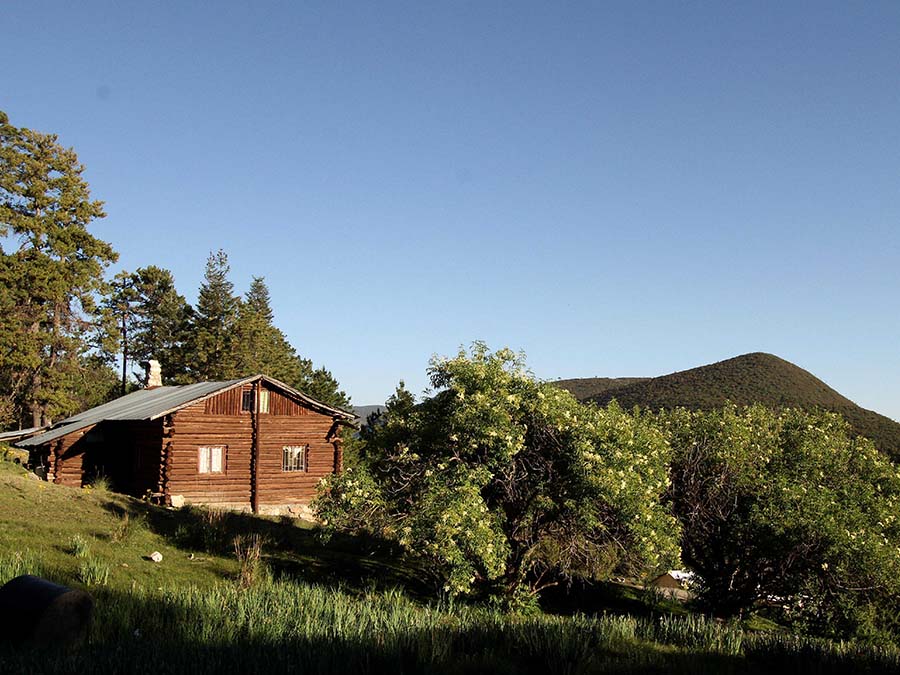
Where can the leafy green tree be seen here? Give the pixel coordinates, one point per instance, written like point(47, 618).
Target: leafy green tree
point(508, 485)
point(214, 324)
point(786, 505)
point(51, 275)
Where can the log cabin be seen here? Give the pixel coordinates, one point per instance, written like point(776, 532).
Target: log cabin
point(252, 444)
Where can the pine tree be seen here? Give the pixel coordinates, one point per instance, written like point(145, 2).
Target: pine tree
point(217, 311)
point(164, 327)
point(50, 279)
point(119, 314)
point(260, 347)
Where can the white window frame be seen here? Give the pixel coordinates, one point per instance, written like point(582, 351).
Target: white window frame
point(211, 459)
point(263, 400)
point(298, 462)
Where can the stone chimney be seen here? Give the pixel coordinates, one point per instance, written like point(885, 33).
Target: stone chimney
point(152, 374)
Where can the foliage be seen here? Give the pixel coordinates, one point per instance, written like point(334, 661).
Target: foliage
point(743, 380)
point(507, 484)
point(93, 572)
point(48, 282)
point(217, 311)
point(260, 347)
point(187, 614)
point(787, 507)
point(144, 318)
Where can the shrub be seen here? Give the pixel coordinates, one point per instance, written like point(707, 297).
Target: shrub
point(505, 485)
point(786, 507)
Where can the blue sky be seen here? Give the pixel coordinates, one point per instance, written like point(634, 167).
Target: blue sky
point(616, 189)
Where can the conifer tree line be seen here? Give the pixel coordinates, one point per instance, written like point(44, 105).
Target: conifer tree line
point(71, 339)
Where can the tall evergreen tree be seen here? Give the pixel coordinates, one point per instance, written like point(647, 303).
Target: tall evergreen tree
point(321, 384)
point(217, 311)
point(164, 327)
point(145, 318)
point(119, 314)
point(50, 278)
point(259, 346)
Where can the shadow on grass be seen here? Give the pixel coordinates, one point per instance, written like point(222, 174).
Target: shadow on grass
point(231, 633)
point(297, 628)
point(352, 563)
point(585, 597)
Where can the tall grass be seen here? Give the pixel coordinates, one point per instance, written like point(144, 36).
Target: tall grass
point(280, 626)
point(248, 551)
point(93, 572)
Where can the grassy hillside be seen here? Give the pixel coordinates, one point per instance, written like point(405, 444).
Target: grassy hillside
point(751, 378)
point(584, 388)
point(345, 607)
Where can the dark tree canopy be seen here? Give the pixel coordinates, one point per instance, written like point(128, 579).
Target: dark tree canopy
point(51, 275)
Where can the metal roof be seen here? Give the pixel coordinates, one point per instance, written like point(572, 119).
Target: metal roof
point(21, 433)
point(150, 404)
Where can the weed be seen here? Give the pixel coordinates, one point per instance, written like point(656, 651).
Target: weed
point(93, 572)
point(78, 546)
point(19, 563)
point(101, 484)
point(248, 551)
point(126, 526)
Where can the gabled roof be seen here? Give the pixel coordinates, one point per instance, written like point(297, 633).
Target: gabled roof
point(151, 404)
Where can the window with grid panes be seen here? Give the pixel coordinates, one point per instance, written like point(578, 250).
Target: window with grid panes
point(293, 458)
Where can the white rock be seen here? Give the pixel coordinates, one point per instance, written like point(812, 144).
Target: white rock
point(156, 556)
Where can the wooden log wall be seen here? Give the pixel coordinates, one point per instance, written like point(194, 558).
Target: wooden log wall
point(219, 420)
point(192, 427)
point(67, 458)
point(293, 487)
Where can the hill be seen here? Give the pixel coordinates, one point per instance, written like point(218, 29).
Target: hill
point(751, 378)
point(584, 388)
point(362, 412)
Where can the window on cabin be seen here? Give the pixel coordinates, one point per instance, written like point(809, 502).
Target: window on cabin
point(294, 458)
point(247, 401)
point(211, 459)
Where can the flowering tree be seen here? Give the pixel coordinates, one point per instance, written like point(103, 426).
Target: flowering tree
point(787, 506)
point(507, 484)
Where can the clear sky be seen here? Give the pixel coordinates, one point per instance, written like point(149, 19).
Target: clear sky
point(622, 189)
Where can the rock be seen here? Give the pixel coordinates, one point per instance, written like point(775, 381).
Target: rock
point(177, 501)
point(156, 556)
point(36, 610)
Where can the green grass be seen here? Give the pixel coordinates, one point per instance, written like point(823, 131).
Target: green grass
point(350, 607)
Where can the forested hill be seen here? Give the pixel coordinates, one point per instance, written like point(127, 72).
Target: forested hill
point(584, 388)
point(751, 378)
